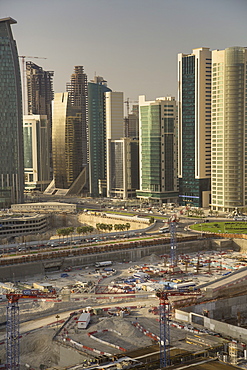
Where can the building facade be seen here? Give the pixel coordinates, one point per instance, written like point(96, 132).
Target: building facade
point(66, 142)
point(36, 138)
point(11, 142)
point(194, 127)
point(97, 135)
point(78, 95)
point(40, 95)
point(124, 168)
point(131, 123)
point(114, 125)
point(158, 149)
point(229, 129)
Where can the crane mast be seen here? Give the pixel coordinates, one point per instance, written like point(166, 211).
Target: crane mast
point(12, 327)
point(173, 252)
point(164, 329)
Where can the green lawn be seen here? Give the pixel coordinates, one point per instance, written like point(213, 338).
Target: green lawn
point(221, 227)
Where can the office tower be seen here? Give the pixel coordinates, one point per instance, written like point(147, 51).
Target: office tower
point(229, 134)
point(36, 151)
point(97, 135)
point(39, 100)
point(11, 142)
point(114, 124)
point(77, 89)
point(66, 142)
point(131, 123)
point(157, 137)
point(124, 168)
point(194, 127)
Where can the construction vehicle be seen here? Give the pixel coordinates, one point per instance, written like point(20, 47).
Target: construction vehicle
point(12, 327)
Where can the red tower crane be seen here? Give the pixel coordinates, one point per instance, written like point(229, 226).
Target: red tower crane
point(12, 327)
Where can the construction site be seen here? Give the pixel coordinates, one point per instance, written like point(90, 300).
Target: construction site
point(174, 302)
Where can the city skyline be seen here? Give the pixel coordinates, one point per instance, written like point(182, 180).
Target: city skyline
point(133, 44)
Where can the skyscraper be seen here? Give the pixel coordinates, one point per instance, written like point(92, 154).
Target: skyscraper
point(97, 133)
point(77, 89)
point(39, 102)
point(131, 123)
point(36, 152)
point(158, 158)
point(114, 125)
point(39, 90)
point(124, 168)
point(194, 127)
point(66, 142)
point(11, 141)
point(229, 133)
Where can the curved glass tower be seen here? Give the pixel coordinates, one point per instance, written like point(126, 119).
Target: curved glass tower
point(11, 140)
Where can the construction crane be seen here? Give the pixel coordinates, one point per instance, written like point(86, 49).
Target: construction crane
point(173, 231)
point(23, 57)
point(164, 311)
point(12, 327)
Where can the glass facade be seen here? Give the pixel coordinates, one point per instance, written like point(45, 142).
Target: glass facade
point(28, 147)
point(97, 134)
point(36, 152)
point(11, 142)
point(151, 148)
point(194, 127)
point(158, 172)
point(66, 142)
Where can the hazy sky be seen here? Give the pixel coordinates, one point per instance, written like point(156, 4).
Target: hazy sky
point(133, 44)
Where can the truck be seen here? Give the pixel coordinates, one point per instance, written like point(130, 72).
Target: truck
point(83, 320)
point(103, 263)
point(164, 229)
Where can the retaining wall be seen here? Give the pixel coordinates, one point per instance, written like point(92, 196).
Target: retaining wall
point(223, 328)
point(19, 271)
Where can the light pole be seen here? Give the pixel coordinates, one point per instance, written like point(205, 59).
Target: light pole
point(57, 317)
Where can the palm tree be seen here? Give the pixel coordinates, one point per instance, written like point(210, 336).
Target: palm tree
point(110, 227)
point(59, 233)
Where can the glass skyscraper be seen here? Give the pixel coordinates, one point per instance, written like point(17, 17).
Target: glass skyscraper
point(11, 141)
point(97, 133)
point(158, 150)
point(194, 127)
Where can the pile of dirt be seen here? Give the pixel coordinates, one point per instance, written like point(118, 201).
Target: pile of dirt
point(153, 258)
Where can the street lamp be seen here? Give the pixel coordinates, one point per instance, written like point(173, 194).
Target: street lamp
point(57, 317)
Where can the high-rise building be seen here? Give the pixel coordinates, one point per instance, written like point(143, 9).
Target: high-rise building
point(39, 102)
point(77, 89)
point(97, 135)
point(131, 123)
point(36, 152)
point(39, 90)
point(114, 124)
point(194, 127)
point(229, 133)
point(11, 141)
point(66, 142)
point(158, 149)
point(124, 168)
